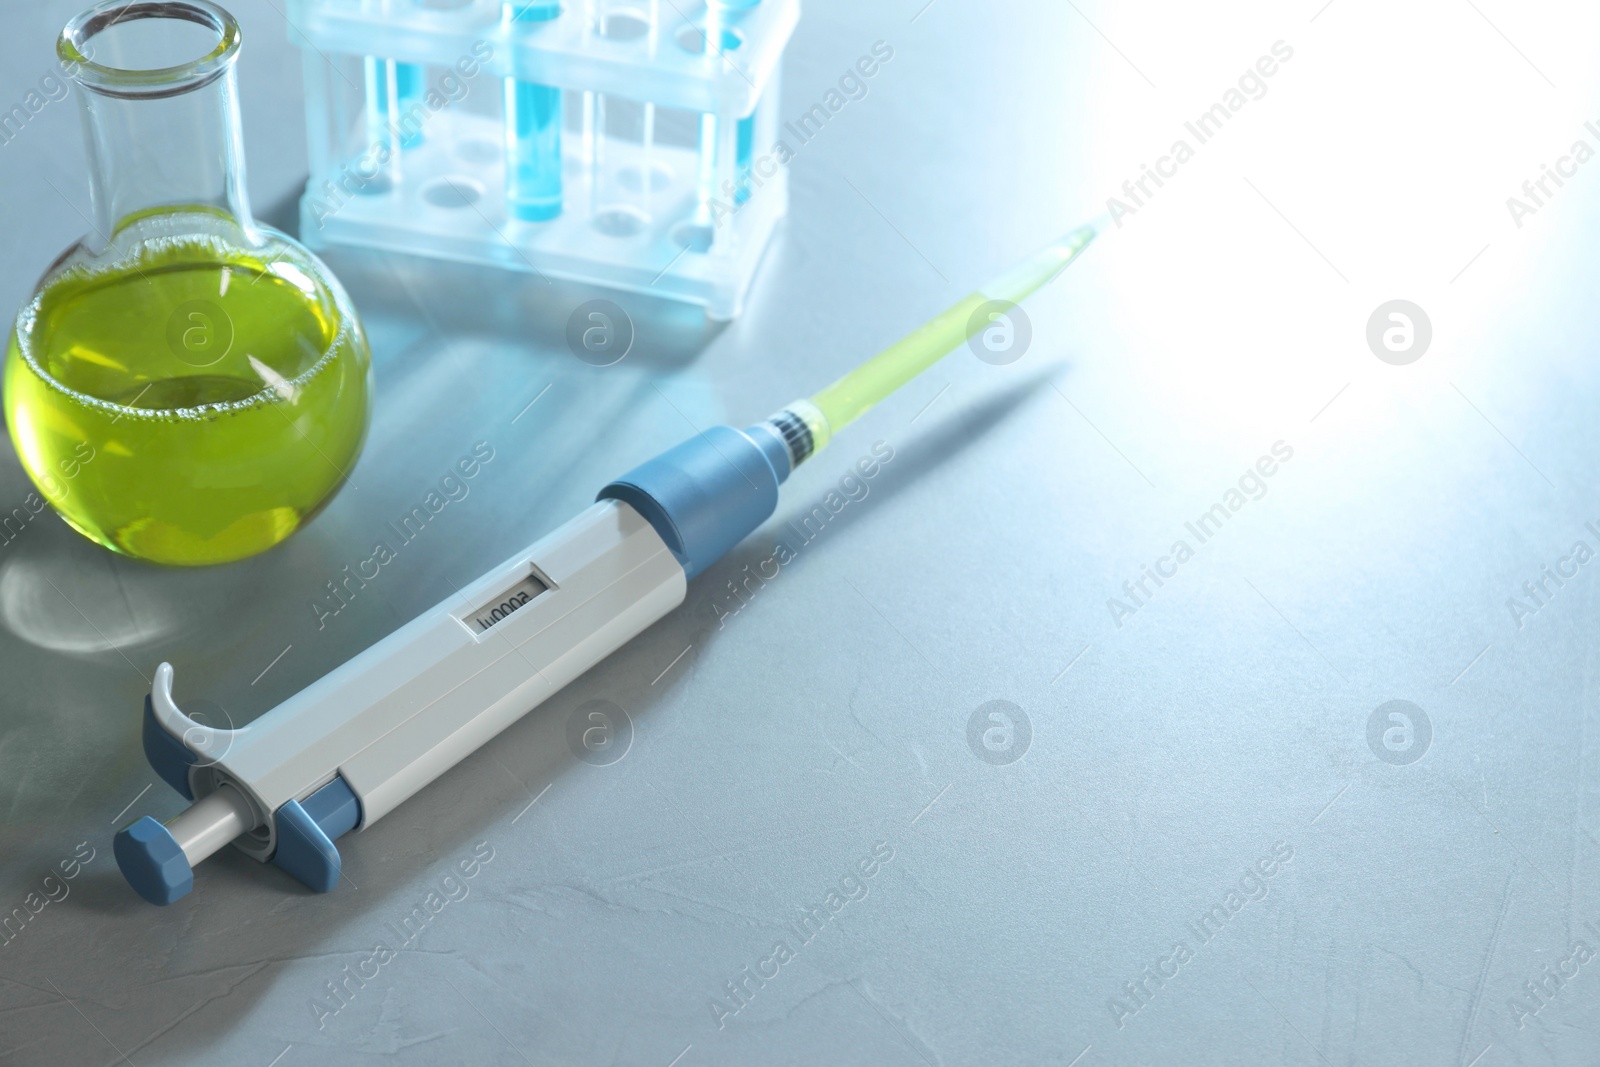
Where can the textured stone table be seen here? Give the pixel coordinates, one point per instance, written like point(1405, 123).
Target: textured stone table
point(1197, 540)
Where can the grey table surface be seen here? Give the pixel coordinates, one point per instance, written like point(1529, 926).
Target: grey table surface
point(1413, 890)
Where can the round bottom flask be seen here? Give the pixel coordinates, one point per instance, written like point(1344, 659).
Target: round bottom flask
point(184, 385)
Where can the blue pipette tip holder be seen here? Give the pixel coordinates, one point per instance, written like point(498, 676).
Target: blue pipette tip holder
point(708, 493)
point(604, 150)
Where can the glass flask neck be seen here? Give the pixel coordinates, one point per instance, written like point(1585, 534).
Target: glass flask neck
point(161, 114)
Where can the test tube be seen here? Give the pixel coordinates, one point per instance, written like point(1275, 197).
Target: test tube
point(744, 152)
point(533, 130)
point(648, 136)
point(619, 204)
point(393, 121)
point(411, 85)
point(393, 88)
point(719, 13)
point(746, 138)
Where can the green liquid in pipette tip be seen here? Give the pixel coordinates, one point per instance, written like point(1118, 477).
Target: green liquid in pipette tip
point(856, 393)
point(193, 403)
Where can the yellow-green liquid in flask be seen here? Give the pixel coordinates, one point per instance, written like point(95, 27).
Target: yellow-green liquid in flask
point(192, 402)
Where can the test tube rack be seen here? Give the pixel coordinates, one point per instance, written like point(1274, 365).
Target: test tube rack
point(609, 143)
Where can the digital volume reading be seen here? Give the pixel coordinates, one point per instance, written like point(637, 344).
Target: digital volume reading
point(501, 607)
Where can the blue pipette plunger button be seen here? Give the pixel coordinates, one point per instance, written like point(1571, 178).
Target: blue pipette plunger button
point(152, 862)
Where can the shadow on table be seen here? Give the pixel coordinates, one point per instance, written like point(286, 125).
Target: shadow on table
point(247, 918)
point(915, 459)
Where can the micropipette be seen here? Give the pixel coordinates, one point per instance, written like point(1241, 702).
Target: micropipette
point(349, 748)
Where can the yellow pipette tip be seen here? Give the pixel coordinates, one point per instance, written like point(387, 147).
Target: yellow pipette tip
point(859, 391)
point(1041, 268)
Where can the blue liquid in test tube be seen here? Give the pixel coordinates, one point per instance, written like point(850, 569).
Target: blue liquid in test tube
point(533, 132)
point(411, 84)
point(718, 39)
point(744, 152)
point(393, 88)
